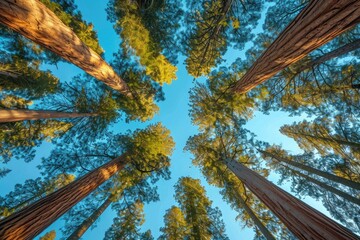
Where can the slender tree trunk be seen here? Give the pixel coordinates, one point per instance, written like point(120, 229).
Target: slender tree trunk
point(86, 224)
point(9, 74)
point(302, 220)
point(329, 138)
point(22, 115)
point(333, 54)
point(318, 23)
point(35, 21)
point(326, 187)
point(33, 219)
point(267, 234)
point(315, 171)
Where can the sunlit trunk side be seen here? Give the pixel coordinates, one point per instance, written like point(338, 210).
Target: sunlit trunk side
point(302, 220)
point(22, 115)
point(33, 219)
point(35, 21)
point(266, 233)
point(326, 175)
point(86, 224)
point(327, 187)
point(318, 23)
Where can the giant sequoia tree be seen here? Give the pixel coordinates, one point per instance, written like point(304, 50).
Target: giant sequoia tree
point(212, 26)
point(340, 201)
point(149, 41)
point(34, 20)
point(208, 150)
point(203, 221)
point(152, 144)
point(315, 22)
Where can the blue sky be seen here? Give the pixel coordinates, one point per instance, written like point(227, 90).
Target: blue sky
point(174, 115)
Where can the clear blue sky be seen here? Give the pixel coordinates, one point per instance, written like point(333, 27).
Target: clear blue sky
point(174, 115)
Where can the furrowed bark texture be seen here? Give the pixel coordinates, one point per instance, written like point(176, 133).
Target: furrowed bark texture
point(302, 220)
point(318, 23)
point(86, 224)
point(33, 219)
point(267, 234)
point(35, 21)
point(326, 175)
point(22, 115)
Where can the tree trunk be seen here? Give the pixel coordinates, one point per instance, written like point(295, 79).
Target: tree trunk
point(9, 74)
point(315, 171)
point(86, 224)
point(327, 187)
point(329, 138)
point(318, 23)
point(35, 21)
point(330, 55)
point(267, 234)
point(302, 220)
point(33, 219)
point(22, 115)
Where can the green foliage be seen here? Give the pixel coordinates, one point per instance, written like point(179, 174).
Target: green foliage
point(142, 107)
point(127, 224)
point(212, 26)
point(197, 210)
point(30, 191)
point(18, 139)
point(303, 184)
point(149, 148)
point(84, 95)
point(175, 225)
point(13, 102)
point(74, 20)
point(49, 236)
point(328, 137)
point(25, 79)
point(137, 38)
point(213, 101)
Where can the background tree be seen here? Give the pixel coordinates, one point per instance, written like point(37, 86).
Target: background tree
point(212, 26)
point(148, 41)
point(305, 184)
point(175, 225)
point(327, 136)
point(203, 221)
point(127, 224)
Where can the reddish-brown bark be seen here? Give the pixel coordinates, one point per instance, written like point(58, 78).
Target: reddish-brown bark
point(22, 115)
point(266, 233)
point(35, 21)
point(33, 219)
point(302, 220)
point(318, 23)
point(86, 224)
